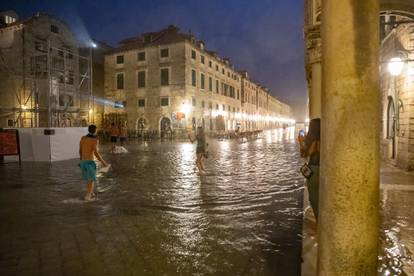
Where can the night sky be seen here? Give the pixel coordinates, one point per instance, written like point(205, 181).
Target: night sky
point(263, 37)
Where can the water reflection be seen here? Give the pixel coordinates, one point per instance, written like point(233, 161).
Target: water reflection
point(395, 258)
point(394, 253)
point(243, 217)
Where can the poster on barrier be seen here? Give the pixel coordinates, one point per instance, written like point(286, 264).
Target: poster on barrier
point(9, 142)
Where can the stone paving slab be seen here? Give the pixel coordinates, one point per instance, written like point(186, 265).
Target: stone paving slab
point(155, 215)
point(397, 193)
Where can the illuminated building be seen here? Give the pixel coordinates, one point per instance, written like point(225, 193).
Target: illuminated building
point(168, 81)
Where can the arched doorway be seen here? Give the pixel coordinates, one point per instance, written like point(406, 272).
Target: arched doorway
point(220, 124)
point(141, 126)
point(165, 127)
point(391, 124)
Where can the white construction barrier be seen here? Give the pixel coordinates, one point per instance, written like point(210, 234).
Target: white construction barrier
point(50, 144)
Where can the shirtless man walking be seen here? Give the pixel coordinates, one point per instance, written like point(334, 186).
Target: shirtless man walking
point(88, 148)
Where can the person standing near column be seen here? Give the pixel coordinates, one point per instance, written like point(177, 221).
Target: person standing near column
point(309, 148)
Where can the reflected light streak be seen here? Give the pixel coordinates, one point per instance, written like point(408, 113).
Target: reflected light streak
point(279, 134)
point(103, 101)
point(186, 222)
point(186, 162)
point(291, 133)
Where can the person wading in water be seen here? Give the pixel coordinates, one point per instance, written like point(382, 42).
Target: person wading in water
point(200, 149)
point(88, 149)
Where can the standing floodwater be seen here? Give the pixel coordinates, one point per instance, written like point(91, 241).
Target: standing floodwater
point(155, 215)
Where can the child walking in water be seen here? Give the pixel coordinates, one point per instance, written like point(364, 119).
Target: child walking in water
point(200, 149)
point(88, 148)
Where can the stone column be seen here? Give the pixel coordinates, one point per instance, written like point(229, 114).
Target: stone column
point(349, 190)
point(316, 90)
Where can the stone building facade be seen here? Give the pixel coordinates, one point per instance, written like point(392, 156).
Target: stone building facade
point(313, 54)
point(396, 18)
point(167, 81)
point(249, 100)
point(45, 80)
point(397, 41)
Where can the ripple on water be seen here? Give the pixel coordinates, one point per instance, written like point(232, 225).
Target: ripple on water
point(243, 217)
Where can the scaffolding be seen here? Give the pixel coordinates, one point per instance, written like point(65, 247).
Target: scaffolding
point(53, 88)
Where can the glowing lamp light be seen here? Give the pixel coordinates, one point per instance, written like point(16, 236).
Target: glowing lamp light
point(90, 111)
point(23, 107)
point(186, 108)
point(395, 66)
point(93, 44)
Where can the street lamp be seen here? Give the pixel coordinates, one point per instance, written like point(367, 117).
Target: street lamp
point(395, 66)
point(185, 108)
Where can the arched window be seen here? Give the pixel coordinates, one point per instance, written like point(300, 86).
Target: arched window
point(390, 118)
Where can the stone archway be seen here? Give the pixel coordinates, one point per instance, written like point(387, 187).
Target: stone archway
point(220, 124)
point(165, 127)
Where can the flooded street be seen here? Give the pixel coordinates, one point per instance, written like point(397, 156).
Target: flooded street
point(397, 222)
point(155, 215)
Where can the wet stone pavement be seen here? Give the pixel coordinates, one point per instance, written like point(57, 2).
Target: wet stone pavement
point(155, 215)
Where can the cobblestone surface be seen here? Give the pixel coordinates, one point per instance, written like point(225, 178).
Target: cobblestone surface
point(397, 226)
point(155, 215)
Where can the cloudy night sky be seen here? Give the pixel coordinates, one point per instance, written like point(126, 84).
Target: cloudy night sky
point(263, 37)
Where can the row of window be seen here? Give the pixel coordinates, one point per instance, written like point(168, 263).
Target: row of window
point(141, 56)
point(249, 85)
point(226, 90)
point(141, 78)
point(254, 100)
point(165, 101)
point(10, 19)
point(210, 64)
point(251, 100)
point(165, 53)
